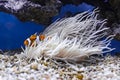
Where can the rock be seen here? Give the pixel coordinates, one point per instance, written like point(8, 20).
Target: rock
point(29, 11)
point(76, 2)
point(42, 2)
point(34, 66)
point(116, 30)
point(79, 76)
point(117, 36)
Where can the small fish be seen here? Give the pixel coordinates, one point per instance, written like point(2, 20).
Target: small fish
point(34, 39)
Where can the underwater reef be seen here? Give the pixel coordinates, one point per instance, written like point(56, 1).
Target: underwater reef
point(69, 49)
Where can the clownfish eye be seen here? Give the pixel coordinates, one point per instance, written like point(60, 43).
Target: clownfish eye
point(33, 37)
point(26, 42)
point(42, 37)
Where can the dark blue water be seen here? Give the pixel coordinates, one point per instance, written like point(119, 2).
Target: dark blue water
point(115, 44)
point(13, 32)
point(73, 9)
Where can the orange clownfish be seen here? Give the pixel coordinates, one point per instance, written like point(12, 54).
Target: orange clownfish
point(34, 38)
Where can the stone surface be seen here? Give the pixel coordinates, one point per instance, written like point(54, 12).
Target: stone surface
point(29, 11)
point(19, 68)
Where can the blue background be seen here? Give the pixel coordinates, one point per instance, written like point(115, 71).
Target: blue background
point(13, 32)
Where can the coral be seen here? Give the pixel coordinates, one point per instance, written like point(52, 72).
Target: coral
point(72, 39)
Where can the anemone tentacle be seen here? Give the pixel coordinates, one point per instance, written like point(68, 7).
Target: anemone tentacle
point(72, 38)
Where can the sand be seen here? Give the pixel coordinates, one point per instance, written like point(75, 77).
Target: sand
point(13, 67)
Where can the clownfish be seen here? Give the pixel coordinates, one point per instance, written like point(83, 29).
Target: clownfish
point(34, 38)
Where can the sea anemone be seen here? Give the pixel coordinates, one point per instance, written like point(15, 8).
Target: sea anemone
point(72, 38)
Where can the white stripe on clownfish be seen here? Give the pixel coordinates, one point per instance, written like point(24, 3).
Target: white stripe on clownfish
point(37, 39)
point(29, 41)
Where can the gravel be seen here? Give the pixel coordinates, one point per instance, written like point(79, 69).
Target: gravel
point(14, 67)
